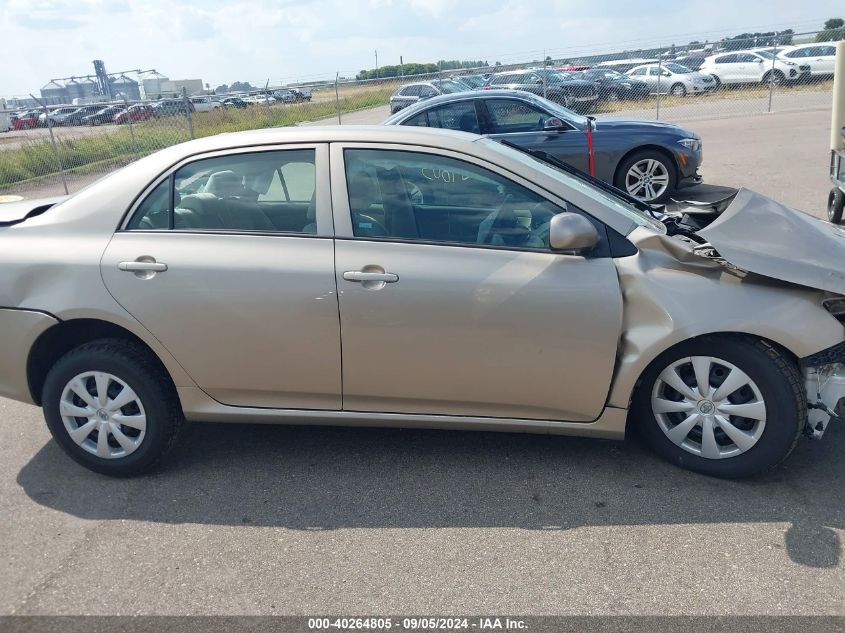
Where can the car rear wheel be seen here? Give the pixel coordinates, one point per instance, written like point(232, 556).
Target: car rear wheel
point(648, 175)
point(835, 205)
point(111, 407)
point(723, 406)
point(679, 90)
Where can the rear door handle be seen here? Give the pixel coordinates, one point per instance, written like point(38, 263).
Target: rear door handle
point(143, 266)
point(360, 275)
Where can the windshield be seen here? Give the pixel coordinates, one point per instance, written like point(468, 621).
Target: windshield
point(581, 183)
point(447, 86)
point(677, 68)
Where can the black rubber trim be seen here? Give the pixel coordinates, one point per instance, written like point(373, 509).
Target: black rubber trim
point(44, 312)
point(833, 354)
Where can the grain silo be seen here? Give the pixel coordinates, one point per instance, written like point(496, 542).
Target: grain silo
point(53, 93)
point(125, 88)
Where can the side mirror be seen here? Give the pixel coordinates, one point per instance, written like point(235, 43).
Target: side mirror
point(572, 232)
point(538, 81)
point(759, 61)
point(554, 124)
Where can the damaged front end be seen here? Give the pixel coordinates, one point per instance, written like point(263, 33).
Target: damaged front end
point(750, 233)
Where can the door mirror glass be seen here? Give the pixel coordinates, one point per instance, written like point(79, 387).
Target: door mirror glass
point(573, 233)
point(554, 124)
point(538, 80)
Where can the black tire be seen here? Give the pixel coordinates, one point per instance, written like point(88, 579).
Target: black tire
point(139, 369)
point(777, 77)
point(678, 90)
point(629, 161)
point(718, 82)
point(835, 205)
point(780, 384)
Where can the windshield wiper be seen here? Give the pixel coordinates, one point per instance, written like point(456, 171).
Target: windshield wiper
point(545, 157)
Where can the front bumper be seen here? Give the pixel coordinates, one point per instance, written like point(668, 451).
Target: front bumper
point(825, 392)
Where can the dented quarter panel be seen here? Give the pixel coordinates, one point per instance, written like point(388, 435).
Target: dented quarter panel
point(671, 295)
point(50, 263)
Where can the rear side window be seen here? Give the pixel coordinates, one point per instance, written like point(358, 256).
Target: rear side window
point(726, 59)
point(254, 192)
point(455, 116)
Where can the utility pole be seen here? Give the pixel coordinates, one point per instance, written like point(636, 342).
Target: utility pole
point(376, 64)
point(401, 67)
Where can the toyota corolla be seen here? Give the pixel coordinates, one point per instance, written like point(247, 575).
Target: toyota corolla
point(393, 276)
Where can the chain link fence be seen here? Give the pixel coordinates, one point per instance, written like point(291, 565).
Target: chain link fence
point(52, 149)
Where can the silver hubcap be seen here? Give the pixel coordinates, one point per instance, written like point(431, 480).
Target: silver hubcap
point(103, 415)
point(647, 179)
point(708, 407)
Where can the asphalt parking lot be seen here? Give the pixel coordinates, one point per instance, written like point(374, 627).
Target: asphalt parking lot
point(305, 520)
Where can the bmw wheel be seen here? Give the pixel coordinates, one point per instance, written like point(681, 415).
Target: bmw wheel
point(647, 175)
point(723, 406)
point(111, 407)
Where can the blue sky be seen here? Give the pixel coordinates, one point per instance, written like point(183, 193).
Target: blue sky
point(223, 41)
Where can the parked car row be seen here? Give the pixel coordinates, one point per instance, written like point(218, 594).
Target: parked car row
point(101, 113)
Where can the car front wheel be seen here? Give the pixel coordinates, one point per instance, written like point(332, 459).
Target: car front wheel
point(111, 407)
point(648, 175)
point(723, 406)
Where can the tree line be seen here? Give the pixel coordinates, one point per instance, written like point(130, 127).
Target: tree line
point(413, 68)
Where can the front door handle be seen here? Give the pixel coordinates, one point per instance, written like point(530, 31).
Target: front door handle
point(143, 266)
point(360, 275)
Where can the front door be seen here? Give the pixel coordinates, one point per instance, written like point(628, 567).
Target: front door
point(451, 302)
point(229, 262)
point(522, 123)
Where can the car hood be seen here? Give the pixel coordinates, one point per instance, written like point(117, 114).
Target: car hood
point(621, 125)
point(763, 236)
point(15, 212)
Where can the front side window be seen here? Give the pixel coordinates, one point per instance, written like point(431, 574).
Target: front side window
point(638, 72)
point(256, 192)
point(726, 59)
point(432, 198)
point(509, 116)
point(747, 58)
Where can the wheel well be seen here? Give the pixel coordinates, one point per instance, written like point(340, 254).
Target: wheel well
point(65, 336)
point(648, 148)
point(725, 335)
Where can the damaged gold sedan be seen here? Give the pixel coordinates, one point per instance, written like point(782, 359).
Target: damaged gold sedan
point(393, 276)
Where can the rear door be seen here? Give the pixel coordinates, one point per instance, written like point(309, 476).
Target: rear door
point(451, 302)
point(822, 60)
point(522, 123)
point(232, 270)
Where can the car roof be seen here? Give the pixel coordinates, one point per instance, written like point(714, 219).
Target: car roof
point(327, 134)
point(466, 95)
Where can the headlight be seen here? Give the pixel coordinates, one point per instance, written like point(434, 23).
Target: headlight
point(692, 144)
point(790, 63)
